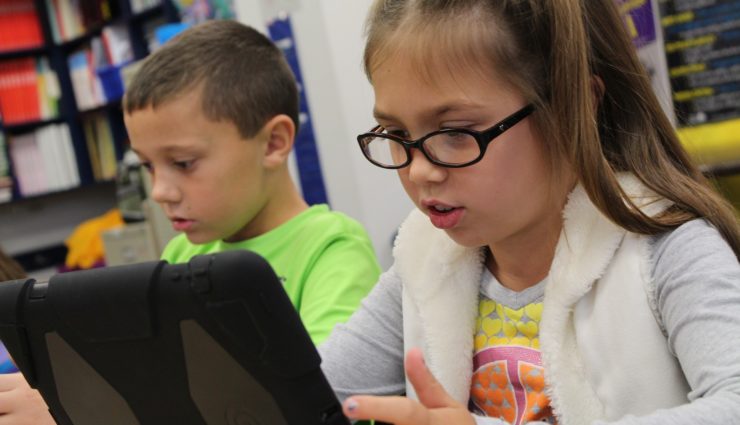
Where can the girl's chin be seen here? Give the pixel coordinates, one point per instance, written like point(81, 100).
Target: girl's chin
point(466, 239)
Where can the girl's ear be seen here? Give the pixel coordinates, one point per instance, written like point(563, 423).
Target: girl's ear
point(280, 135)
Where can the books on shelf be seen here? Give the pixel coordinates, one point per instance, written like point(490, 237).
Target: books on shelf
point(29, 90)
point(50, 92)
point(86, 86)
point(19, 25)
point(44, 160)
point(6, 180)
point(36, 154)
point(138, 6)
point(197, 11)
point(117, 45)
point(70, 19)
point(95, 70)
point(100, 146)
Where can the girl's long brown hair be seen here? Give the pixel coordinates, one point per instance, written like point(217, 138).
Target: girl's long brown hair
point(575, 62)
point(9, 268)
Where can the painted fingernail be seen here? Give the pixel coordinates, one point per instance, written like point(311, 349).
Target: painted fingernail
point(352, 405)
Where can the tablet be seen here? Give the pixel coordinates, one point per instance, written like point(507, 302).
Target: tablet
point(215, 341)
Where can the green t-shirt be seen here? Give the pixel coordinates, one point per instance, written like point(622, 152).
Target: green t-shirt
point(324, 259)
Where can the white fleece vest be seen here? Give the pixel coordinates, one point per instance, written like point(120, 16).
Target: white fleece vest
point(603, 351)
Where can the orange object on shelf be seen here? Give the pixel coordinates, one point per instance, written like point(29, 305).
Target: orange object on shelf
point(85, 244)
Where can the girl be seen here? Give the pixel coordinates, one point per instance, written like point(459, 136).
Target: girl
point(567, 263)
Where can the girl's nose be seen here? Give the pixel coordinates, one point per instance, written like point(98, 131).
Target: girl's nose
point(421, 170)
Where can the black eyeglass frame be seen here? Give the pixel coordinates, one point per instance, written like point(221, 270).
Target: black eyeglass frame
point(483, 138)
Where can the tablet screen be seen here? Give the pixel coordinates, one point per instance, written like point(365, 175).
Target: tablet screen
point(6, 364)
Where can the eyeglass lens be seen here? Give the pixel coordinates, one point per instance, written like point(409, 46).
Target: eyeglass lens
point(448, 148)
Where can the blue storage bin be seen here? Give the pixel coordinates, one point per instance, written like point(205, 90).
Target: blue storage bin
point(110, 79)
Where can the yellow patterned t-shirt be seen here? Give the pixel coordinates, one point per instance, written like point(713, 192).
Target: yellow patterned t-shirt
point(508, 377)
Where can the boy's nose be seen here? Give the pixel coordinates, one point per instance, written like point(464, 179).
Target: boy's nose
point(423, 171)
point(164, 192)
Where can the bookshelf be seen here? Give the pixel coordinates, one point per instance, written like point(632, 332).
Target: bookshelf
point(66, 133)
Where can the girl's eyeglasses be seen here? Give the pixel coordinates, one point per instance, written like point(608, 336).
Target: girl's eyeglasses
point(447, 147)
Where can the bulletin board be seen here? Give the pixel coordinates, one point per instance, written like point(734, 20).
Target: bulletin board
point(700, 44)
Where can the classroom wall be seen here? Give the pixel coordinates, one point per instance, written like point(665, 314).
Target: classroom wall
point(328, 35)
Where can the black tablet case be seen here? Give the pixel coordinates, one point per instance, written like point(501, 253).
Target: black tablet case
point(215, 341)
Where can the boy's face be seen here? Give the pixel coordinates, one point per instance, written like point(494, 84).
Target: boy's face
point(209, 180)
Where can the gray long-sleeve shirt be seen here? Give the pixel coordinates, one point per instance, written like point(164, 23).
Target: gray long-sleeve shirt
point(697, 288)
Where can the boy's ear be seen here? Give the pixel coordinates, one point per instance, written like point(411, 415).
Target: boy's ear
point(280, 134)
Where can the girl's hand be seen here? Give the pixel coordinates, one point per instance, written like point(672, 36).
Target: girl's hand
point(435, 406)
point(20, 404)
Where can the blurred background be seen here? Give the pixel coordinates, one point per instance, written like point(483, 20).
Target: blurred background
point(72, 196)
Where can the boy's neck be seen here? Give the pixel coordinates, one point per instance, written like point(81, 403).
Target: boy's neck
point(285, 203)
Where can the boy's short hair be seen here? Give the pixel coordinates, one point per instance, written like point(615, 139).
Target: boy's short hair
point(243, 76)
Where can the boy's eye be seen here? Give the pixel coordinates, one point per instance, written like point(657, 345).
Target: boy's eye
point(184, 165)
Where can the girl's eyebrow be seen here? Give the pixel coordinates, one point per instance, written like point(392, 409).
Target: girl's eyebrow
point(435, 112)
point(383, 116)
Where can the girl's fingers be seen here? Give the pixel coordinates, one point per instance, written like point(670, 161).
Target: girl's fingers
point(435, 406)
point(430, 392)
point(395, 410)
point(404, 411)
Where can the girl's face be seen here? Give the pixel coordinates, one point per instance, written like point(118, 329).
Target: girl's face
point(511, 195)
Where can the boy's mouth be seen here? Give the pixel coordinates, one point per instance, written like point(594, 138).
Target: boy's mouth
point(181, 224)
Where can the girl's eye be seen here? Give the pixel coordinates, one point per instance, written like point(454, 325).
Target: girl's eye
point(397, 133)
point(148, 167)
point(456, 134)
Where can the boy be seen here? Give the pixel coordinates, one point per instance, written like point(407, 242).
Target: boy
point(213, 115)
